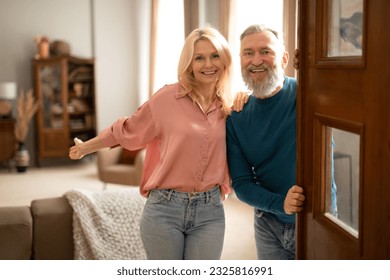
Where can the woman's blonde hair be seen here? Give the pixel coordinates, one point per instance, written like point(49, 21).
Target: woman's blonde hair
point(186, 78)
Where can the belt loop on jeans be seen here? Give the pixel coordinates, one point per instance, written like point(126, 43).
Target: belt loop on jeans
point(170, 194)
point(207, 197)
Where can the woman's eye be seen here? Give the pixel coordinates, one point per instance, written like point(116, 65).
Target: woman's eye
point(215, 55)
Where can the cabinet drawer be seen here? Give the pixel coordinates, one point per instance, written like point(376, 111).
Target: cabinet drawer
point(7, 139)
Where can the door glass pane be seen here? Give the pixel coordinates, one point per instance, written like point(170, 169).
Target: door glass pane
point(345, 29)
point(51, 106)
point(342, 191)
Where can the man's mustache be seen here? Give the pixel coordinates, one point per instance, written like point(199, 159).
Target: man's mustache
point(259, 67)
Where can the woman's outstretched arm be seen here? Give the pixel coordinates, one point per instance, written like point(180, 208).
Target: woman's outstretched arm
point(81, 148)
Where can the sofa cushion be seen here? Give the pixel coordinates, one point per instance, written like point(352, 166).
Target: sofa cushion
point(15, 233)
point(53, 236)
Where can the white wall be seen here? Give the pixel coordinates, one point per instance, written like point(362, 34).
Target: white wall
point(115, 32)
point(22, 20)
point(121, 52)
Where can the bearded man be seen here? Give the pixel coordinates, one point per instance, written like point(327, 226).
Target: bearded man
point(261, 144)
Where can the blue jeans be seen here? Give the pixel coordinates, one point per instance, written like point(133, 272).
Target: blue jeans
point(274, 240)
point(179, 225)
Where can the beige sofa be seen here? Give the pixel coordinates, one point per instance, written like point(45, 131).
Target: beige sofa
point(81, 224)
point(41, 231)
point(113, 168)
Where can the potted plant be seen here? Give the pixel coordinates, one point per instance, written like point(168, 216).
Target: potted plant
point(26, 108)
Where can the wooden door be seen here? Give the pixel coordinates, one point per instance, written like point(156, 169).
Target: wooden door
point(344, 99)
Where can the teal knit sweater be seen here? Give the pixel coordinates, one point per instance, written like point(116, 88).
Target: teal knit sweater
point(261, 150)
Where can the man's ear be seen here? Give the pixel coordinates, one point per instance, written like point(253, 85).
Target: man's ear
point(285, 59)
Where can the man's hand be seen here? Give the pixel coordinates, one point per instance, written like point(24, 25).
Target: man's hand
point(296, 59)
point(240, 100)
point(294, 200)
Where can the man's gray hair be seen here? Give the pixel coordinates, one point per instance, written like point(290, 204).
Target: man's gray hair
point(258, 28)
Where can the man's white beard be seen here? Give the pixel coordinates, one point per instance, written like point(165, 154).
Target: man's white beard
point(266, 87)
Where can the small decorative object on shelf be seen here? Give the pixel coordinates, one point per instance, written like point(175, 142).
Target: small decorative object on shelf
point(59, 47)
point(42, 43)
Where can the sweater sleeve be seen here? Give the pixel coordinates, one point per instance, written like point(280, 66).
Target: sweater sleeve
point(245, 185)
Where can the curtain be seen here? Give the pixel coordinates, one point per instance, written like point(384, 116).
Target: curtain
point(166, 40)
point(225, 16)
point(220, 17)
point(191, 15)
point(153, 32)
point(290, 32)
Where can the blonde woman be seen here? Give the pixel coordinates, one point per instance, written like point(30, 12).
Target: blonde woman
point(185, 176)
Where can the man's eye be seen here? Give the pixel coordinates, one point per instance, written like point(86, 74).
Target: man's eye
point(265, 52)
point(248, 53)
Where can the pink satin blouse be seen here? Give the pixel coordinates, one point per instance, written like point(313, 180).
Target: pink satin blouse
point(185, 147)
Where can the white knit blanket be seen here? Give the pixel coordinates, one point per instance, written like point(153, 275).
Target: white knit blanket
point(106, 224)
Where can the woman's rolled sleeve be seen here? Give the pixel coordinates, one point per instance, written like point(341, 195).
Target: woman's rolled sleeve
point(133, 132)
point(107, 137)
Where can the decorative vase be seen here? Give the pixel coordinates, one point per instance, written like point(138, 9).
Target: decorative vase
point(43, 49)
point(22, 158)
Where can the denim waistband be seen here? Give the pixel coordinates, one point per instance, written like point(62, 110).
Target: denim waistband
point(174, 193)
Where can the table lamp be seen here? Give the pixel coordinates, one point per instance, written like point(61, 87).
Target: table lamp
point(7, 95)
